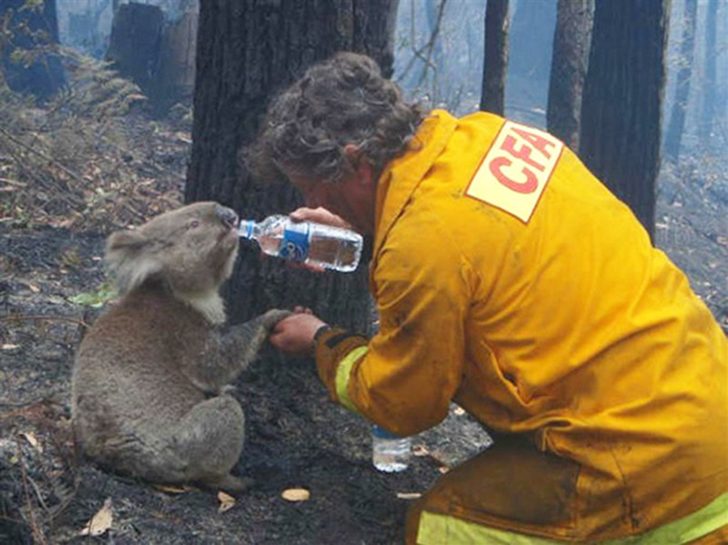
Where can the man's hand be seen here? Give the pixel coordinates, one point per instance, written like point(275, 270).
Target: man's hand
point(294, 335)
point(319, 215)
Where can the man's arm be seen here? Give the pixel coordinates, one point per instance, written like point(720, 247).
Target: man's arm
point(406, 376)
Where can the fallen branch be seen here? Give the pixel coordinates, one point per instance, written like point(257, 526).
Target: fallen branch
point(43, 156)
point(69, 198)
point(38, 536)
point(12, 182)
point(14, 317)
point(20, 407)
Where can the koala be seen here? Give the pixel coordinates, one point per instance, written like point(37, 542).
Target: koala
point(150, 377)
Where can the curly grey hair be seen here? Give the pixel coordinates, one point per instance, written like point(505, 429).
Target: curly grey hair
point(343, 100)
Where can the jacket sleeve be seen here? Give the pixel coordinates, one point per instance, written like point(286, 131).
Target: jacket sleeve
point(406, 376)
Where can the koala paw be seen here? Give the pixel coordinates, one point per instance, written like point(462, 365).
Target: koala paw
point(228, 389)
point(273, 316)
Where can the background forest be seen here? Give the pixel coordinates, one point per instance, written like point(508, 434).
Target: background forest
point(113, 111)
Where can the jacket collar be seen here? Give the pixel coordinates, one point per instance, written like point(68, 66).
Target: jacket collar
point(403, 174)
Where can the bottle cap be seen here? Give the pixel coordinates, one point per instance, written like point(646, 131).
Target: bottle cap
point(246, 228)
point(381, 433)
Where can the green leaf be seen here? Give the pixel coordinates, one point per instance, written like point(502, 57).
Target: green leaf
point(94, 299)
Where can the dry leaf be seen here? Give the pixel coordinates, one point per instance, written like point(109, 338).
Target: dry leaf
point(296, 494)
point(184, 137)
point(32, 287)
point(420, 450)
point(172, 489)
point(409, 495)
point(33, 440)
point(100, 522)
point(226, 501)
point(440, 457)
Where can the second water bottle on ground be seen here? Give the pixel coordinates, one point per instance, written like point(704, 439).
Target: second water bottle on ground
point(307, 242)
point(390, 453)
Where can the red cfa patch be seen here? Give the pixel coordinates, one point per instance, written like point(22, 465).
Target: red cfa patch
point(516, 169)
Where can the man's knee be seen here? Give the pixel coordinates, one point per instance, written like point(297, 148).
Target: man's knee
point(511, 486)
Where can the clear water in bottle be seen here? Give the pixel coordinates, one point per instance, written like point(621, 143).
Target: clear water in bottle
point(313, 243)
point(390, 453)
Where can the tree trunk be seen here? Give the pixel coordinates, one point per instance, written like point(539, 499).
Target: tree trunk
point(569, 60)
point(247, 50)
point(495, 59)
point(29, 63)
point(620, 136)
point(134, 45)
point(676, 126)
point(175, 78)
point(711, 83)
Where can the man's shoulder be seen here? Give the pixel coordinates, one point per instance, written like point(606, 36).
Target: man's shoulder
point(423, 235)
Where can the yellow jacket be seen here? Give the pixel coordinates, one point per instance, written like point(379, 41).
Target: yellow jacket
point(541, 307)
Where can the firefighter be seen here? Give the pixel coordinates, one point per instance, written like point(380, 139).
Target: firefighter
point(510, 281)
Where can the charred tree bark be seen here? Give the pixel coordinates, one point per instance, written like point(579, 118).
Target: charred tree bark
point(623, 90)
point(495, 60)
point(572, 38)
point(247, 50)
point(676, 126)
point(134, 45)
point(29, 61)
point(175, 77)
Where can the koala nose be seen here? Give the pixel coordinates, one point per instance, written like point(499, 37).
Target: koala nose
point(226, 215)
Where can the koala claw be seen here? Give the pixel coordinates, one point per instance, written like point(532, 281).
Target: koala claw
point(228, 389)
point(273, 316)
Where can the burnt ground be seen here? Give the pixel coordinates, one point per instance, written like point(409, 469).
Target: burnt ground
point(295, 436)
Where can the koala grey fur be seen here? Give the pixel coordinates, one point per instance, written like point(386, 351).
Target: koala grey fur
point(149, 380)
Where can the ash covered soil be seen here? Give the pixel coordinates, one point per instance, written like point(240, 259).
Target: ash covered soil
point(296, 438)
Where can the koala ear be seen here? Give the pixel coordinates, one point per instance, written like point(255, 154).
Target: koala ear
point(125, 240)
point(129, 259)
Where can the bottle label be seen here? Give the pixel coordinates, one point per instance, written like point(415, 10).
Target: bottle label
point(295, 243)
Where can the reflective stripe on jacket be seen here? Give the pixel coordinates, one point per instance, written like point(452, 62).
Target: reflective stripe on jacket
point(554, 317)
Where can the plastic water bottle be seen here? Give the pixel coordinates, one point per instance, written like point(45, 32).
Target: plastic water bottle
point(312, 243)
point(390, 453)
